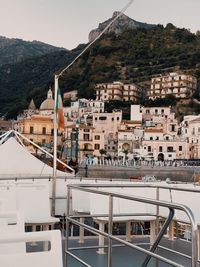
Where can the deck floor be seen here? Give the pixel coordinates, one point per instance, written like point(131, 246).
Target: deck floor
point(128, 257)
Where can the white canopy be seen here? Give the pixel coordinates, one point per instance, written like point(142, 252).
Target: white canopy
point(17, 162)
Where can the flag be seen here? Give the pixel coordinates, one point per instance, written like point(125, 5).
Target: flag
point(59, 110)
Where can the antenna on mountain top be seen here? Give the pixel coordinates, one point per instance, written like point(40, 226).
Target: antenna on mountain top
point(56, 77)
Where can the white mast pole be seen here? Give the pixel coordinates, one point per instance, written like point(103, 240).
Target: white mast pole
point(56, 89)
point(55, 124)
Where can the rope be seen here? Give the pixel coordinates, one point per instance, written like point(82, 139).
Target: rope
point(101, 33)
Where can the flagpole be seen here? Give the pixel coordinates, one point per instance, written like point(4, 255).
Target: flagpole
point(55, 126)
point(56, 77)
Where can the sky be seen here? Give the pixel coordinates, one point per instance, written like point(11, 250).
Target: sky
point(67, 23)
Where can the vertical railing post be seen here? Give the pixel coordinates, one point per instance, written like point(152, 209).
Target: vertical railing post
point(195, 245)
point(157, 217)
point(110, 227)
point(157, 210)
point(67, 225)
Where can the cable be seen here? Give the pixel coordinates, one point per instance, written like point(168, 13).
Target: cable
point(101, 33)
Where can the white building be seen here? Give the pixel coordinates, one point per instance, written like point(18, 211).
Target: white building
point(178, 84)
point(82, 108)
point(136, 113)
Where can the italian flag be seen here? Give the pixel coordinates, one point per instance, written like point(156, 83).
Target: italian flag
point(59, 110)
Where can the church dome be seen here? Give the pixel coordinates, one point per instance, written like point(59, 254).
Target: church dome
point(48, 104)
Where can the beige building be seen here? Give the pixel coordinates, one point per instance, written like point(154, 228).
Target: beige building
point(178, 84)
point(117, 91)
point(108, 124)
point(72, 95)
point(89, 141)
point(161, 117)
point(38, 128)
point(190, 129)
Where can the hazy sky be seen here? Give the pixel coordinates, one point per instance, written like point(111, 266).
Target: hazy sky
point(66, 23)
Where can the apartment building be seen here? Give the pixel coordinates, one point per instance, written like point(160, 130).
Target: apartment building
point(108, 124)
point(82, 108)
point(190, 129)
point(160, 146)
point(89, 141)
point(117, 91)
point(177, 84)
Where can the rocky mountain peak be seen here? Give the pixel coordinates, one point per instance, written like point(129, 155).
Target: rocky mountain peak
point(121, 24)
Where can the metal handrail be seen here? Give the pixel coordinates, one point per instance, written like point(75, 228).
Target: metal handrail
point(171, 206)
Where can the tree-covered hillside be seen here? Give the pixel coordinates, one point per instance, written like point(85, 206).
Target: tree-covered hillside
point(133, 56)
point(21, 82)
point(16, 50)
point(136, 55)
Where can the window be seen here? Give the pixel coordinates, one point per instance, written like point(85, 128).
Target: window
point(31, 129)
point(86, 137)
point(85, 146)
point(151, 138)
point(96, 146)
point(173, 128)
point(180, 148)
point(97, 137)
point(149, 148)
point(157, 137)
point(162, 111)
point(147, 111)
point(102, 118)
point(160, 149)
point(112, 119)
point(170, 149)
point(117, 118)
point(43, 130)
point(86, 130)
point(167, 137)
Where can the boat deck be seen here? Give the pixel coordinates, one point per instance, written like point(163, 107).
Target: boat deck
point(123, 256)
point(128, 257)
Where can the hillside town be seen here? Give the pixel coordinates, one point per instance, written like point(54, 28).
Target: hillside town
point(151, 134)
point(100, 136)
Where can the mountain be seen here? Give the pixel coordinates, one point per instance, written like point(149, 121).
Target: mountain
point(21, 82)
point(121, 24)
point(16, 50)
point(132, 56)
